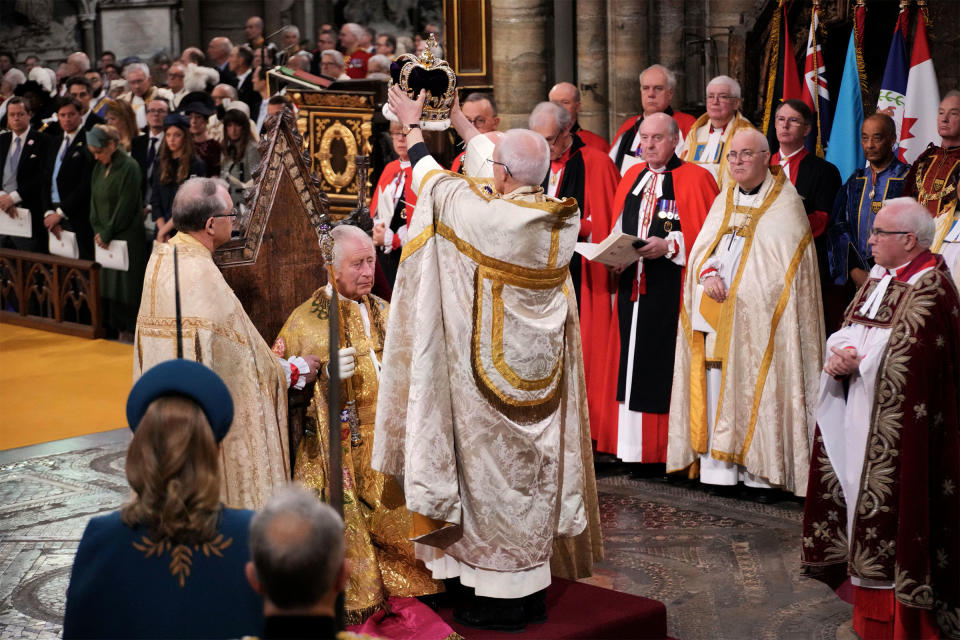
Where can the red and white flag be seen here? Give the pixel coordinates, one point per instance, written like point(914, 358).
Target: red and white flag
point(922, 102)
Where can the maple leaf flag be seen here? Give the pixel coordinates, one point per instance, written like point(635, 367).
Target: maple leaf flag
point(919, 126)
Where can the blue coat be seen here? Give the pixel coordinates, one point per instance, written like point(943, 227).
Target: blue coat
point(125, 585)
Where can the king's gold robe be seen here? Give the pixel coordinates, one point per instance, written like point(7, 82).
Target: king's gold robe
point(381, 556)
point(482, 400)
point(768, 342)
point(218, 333)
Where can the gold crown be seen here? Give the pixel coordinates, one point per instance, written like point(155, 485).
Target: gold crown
point(412, 73)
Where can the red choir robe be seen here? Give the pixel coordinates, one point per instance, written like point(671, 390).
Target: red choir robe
point(402, 212)
point(457, 163)
point(589, 176)
point(623, 141)
point(693, 191)
point(356, 63)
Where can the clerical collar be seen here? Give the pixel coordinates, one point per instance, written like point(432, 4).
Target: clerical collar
point(790, 155)
point(404, 164)
point(721, 129)
point(752, 192)
point(921, 261)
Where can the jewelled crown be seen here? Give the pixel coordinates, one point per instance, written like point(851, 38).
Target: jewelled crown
point(413, 73)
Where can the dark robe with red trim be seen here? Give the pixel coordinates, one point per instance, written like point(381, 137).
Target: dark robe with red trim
point(623, 141)
point(906, 530)
point(693, 191)
point(590, 177)
point(590, 138)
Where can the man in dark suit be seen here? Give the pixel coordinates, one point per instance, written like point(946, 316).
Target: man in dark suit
point(241, 63)
point(80, 88)
point(25, 156)
point(218, 54)
point(70, 173)
point(146, 147)
point(817, 181)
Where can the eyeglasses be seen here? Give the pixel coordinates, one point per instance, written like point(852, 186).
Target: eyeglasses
point(877, 231)
point(478, 122)
point(720, 97)
point(744, 156)
point(790, 122)
point(503, 164)
point(552, 140)
point(157, 111)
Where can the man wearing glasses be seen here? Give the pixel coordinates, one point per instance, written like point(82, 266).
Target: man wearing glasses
point(482, 370)
point(706, 144)
point(883, 502)
point(750, 343)
point(480, 110)
point(218, 333)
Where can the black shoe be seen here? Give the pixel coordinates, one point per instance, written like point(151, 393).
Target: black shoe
point(722, 490)
point(535, 607)
point(496, 614)
point(761, 496)
point(647, 471)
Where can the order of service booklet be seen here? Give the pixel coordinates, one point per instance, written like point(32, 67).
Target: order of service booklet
point(615, 250)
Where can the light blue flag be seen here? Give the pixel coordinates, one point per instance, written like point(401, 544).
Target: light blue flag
point(844, 150)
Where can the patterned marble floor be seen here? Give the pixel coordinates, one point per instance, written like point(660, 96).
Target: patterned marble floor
point(726, 568)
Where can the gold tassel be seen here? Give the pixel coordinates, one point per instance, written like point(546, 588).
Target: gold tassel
point(774, 62)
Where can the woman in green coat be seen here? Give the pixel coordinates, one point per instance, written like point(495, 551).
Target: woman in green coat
point(116, 213)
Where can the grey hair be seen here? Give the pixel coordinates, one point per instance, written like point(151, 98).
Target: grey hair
point(343, 233)
point(527, 155)
point(81, 59)
point(230, 89)
point(336, 55)
point(196, 201)
point(759, 138)
point(671, 76)
point(549, 112)
point(292, 28)
point(913, 217)
point(732, 84)
point(14, 77)
point(378, 63)
point(355, 29)
point(298, 547)
point(136, 66)
point(953, 93)
point(477, 96)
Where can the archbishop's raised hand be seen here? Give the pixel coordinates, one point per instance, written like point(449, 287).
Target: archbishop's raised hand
point(408, 111)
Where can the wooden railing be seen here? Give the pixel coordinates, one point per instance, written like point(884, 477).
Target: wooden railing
point(50, 293)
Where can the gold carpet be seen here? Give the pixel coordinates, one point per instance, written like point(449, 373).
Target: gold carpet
point(54, 386)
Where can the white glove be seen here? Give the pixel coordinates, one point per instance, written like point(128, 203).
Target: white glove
point(348, 363)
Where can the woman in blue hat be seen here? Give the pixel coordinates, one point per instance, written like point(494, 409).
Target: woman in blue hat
point(170, 563)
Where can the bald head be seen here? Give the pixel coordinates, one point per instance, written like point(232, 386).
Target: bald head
point(567, 96)
point(219, 49)
point(748, 158)
point(659, 136)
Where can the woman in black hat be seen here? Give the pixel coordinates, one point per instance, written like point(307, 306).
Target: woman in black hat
point(198, 106)
point(176, 162)
point(170, 563)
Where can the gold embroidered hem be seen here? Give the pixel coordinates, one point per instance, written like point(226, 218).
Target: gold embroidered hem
point(770, 376)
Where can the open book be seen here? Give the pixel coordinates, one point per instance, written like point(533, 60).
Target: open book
point(616, 250)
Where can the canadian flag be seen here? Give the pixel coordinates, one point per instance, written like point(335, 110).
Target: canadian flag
point(919, 126)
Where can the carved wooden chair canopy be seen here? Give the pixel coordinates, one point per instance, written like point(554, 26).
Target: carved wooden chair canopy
point(275, 263)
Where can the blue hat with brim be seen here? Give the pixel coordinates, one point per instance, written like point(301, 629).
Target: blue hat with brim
point(188, 379)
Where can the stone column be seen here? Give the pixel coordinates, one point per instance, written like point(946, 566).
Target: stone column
point(666, 34)
point(591, 22)
point(87, 15)
point(520, 57)
point(627, 33)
